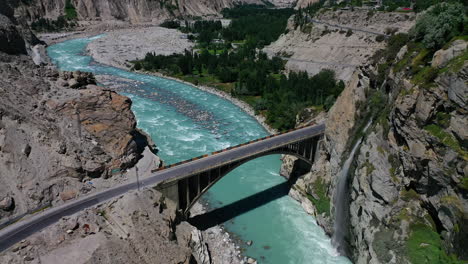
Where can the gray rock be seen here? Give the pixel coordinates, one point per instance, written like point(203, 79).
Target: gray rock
point(443, 56)
point(7, 204)
point(39, 55)
point(26, 150)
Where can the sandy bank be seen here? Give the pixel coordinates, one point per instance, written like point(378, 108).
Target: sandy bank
point(118, 47)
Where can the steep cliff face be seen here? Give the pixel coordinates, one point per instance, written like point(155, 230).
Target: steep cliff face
point(139, 11)
point(57, 131)
point(329, 43)
point(408, 186)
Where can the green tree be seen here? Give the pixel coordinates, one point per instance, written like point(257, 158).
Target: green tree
point(440, 24)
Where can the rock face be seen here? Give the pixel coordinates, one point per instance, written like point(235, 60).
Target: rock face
point(57, 131)
point(139, 11)
point(443, 56)
point(327, 45)
point(408, 188)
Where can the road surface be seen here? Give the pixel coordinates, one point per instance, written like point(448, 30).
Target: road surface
point(22, 229)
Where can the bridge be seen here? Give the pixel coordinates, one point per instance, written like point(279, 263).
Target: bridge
point(184, 182)
point(189, 180)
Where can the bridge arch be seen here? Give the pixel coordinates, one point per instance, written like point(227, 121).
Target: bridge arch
point(235, 166)
point(187, 190)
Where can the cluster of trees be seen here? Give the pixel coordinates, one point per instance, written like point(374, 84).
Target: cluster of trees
point(247, 71)
point(64, 22)
point(70, 11)
point(440, 24)
point(47, 25)
point(283, 99)
point(261, 25)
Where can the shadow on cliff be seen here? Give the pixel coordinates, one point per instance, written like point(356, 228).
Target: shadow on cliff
point(223, 214)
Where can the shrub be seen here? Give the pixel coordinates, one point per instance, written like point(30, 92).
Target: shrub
point(170, 24)
point(379, 38)
point(438, 25)
point(70, 11)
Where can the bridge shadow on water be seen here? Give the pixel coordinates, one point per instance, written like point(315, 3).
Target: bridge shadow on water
point(223, 214)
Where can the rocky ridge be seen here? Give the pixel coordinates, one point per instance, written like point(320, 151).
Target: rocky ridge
point(57, 130)
point(136, 12)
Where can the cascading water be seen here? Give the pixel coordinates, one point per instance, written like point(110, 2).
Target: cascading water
point(342, 201)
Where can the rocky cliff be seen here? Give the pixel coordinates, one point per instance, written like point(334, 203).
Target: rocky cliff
point(140, 11)
point(337, 40)
point(407, 184)
point(57, 130)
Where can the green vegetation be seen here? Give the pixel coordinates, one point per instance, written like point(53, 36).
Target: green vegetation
point(65, 22)
point(464, 183)
point(424, 245)
point(446, 138)
point(259, 25)
point(456, 64)
point(170, 24)
point(70, 11)
point(322, 204)
point(244, 71)
point(408, 195)
point(47, 25)
point(440, 24)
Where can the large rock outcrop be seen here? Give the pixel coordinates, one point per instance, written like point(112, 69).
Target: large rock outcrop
point(57, 131)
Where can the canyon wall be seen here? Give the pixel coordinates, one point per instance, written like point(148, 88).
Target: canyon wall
point(139, 11)
point(407, 184)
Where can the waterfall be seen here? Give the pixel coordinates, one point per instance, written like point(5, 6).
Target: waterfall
point(342, 201)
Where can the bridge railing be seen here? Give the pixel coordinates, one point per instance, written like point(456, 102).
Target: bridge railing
point(232, 147)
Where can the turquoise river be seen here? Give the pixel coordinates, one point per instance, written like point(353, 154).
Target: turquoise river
point(186, 122)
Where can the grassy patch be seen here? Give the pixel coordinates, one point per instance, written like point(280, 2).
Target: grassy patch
point(425, 76)
point(322, 204)
point(409, 195)
point(424, 245)
point(456, 64)
point(446, 139)
point(464, 183)
point(443, 119)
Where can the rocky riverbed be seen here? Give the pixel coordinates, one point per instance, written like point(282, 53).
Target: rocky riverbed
point(118, 47)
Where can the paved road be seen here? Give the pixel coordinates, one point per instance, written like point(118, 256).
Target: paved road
point(345, 27)
point(344, 65)
point(22, 229)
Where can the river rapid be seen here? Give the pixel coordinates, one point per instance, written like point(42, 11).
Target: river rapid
point(186, 122)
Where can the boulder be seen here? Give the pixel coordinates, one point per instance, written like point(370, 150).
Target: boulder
point(39, 55)
point(443, 56)
point(7, 204)
point(68, 195)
